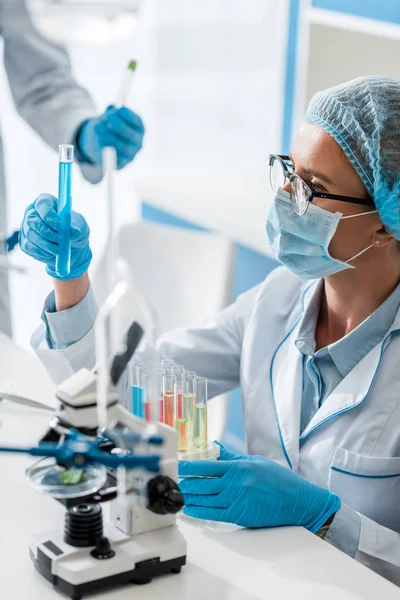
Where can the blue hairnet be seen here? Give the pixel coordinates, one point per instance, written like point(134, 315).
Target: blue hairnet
point(363, 116)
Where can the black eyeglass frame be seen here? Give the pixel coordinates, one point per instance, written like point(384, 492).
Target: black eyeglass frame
point(283, 159)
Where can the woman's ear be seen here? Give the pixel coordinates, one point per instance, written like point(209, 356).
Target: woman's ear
point(381, 237)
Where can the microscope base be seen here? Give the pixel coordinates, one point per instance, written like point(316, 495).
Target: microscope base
point(75, 572)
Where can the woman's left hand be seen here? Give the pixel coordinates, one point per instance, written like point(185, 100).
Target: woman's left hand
point(253, 491)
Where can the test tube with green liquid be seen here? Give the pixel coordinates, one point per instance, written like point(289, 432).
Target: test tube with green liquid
point(181, 415)
point(200, 436)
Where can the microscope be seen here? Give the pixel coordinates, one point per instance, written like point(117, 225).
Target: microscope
point(130, 466)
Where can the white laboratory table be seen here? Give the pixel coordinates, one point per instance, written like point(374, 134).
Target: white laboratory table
point(223, 563)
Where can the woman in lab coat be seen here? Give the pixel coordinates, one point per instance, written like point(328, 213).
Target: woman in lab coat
point(315, 348)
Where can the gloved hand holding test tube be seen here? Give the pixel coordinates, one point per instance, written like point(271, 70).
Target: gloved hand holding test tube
point(64, 207)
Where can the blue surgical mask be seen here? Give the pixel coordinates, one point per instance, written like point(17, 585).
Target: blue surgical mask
point(301, 243)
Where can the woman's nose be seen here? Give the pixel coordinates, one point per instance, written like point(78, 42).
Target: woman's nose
point(286, 187)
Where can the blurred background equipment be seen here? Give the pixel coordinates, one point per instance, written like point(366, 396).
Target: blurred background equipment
point(90, 20)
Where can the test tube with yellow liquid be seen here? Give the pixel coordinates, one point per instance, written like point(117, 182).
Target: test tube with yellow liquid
point(200, 438)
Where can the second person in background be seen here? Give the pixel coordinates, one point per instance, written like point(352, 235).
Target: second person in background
point(60, 110)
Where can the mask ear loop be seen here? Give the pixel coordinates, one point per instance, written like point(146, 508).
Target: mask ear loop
point(359, 254)
point(370, 212)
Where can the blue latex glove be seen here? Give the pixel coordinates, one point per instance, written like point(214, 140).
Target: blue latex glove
point(120, 128)
point(253, 491)
point(39, 237)
point(12, 241)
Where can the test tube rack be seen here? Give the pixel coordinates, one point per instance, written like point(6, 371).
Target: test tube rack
point(180, 402)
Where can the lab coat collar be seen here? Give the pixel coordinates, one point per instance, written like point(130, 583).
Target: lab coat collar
point(354, 388)
point(347, 352)
point(305, 340)
point(350, 392)
point(286, 377)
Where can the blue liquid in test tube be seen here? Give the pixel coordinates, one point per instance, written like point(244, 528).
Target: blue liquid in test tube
point(64, 206)
point(138, 396)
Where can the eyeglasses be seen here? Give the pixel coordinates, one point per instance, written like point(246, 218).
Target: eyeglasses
point(301, 191)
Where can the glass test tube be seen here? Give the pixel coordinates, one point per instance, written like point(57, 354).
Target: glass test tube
point(179, 372)
point(181, 415)
point(159, 404)
point(160, 400)
point(145, 381)
point(190, 401)
point(138, 393)
point(147, 384)
point(200, 436)
point(168, 398)
point(167, 365)
point(64, 206)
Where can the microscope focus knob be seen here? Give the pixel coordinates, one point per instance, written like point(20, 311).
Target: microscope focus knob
point(103, 549)
point(164, 495)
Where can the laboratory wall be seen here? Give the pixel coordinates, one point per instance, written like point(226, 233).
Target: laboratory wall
point(220, 85)
point(339, 40)
point(384, 10)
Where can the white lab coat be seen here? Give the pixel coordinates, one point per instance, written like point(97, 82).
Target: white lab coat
point(351, 445)
point(45, 95)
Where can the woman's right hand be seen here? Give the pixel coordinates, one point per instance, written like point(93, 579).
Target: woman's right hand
point(40, 237)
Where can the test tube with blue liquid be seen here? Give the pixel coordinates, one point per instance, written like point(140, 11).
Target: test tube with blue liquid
point(138, 392)
point(64, 207)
